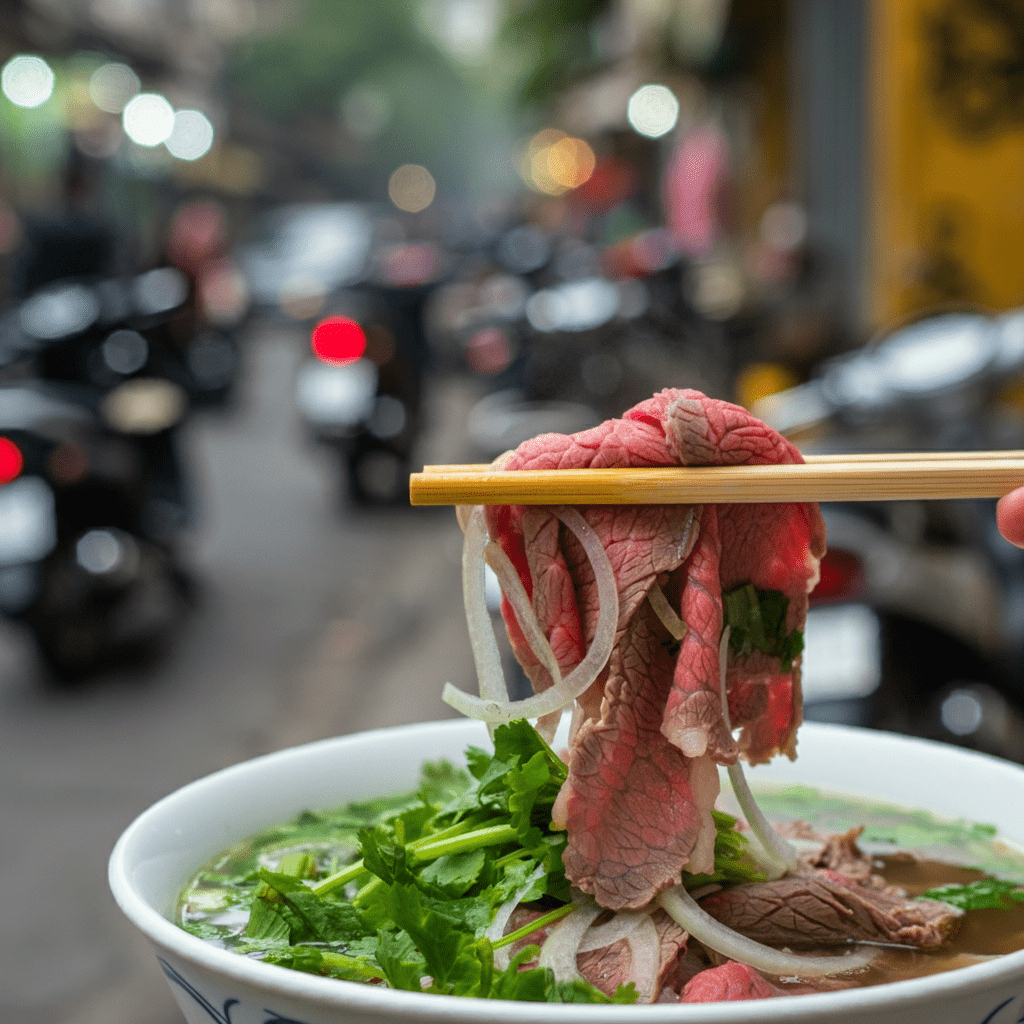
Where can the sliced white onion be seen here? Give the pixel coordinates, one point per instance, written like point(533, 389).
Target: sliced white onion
point(556, 697)
point(618, 927)
point(779, 855)
point(560, 947)
point(645, 953)
point(665, 612)
point(683, 909)
point(484, 645)
point(503, 954)
point(513, 589)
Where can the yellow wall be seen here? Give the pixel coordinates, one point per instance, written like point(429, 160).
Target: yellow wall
point(946, 204)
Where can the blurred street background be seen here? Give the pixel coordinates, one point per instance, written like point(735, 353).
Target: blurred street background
point(261, 259)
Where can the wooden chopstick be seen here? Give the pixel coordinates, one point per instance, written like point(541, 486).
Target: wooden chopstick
point(857, 477)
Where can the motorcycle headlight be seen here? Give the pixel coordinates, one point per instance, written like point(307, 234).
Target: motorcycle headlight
point(144, 405)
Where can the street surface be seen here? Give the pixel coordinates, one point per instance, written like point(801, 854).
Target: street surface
point(312, 621)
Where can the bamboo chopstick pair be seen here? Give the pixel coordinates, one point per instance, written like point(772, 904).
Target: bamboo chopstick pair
point(861, 477)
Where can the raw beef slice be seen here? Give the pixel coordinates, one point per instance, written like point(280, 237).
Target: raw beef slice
point(643, 760)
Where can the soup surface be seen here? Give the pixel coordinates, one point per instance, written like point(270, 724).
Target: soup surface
point(301, 895)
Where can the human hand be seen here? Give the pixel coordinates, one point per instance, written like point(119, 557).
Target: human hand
point(1010, 516)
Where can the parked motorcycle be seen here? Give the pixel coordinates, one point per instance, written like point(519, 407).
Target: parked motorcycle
point(361, 393)
point(91, 402)
point(86, 562)
point(583, 340)
point(917, 624)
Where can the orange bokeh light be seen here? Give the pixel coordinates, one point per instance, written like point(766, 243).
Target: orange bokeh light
point(338, 340)
point(554, 162)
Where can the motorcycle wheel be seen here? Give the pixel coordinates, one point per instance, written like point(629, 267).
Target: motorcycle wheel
point(79, 630)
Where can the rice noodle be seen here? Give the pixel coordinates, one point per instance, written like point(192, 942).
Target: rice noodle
point(562, 692)
point(561, 945)
point(780, 855)
point(503, 954)
point(483, 643)
point(683, 909)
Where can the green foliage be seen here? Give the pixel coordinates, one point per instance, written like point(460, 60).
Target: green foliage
point(323, 49)
point(557, 44)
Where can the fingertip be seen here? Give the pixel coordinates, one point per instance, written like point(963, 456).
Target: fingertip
point(1010, 516)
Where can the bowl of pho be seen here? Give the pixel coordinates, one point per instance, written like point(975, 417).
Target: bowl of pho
point(193, 872)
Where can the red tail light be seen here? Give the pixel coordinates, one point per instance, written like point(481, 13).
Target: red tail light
point(338, 340)
point(842, 577)
point(11, 460)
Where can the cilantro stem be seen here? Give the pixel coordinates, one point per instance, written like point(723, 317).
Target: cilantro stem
point(350, 965)
point(353, 870)
point(541, 922)
point(372, 885)
point(493, 835)
point(510, 858)
point(339, 878)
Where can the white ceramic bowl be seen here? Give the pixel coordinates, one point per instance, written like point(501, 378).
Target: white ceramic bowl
point(166, 844)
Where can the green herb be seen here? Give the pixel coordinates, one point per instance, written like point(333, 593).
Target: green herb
point(758, 622)
point(411, 902)
point(732, 861)
point(984, 894)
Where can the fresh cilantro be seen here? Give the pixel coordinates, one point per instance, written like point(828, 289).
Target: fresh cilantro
point(732, 861)
point(984, 894)
point(402, 965)
point(758, 623)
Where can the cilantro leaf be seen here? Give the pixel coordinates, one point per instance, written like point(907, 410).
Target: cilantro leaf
point(983, 894)
point(454, 958)
point(441, 783)
point(402, 965)
point(454, 874)
point(325, 919)
point(758, 622)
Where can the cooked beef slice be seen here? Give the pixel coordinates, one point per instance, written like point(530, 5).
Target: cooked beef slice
point(824, 909)
point(841, 854)
point(635, 816)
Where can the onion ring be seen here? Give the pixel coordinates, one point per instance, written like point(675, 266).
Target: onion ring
point(560, 947)
point(558, 696)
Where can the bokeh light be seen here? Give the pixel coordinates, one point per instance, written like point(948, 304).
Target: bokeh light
point(112, 85)
point(27, 81)
point(148, 119)
point(653, 110)
point(412, 188)
point(338, 340)
point(555, 162)
point(11, 460)
point(192, 135)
